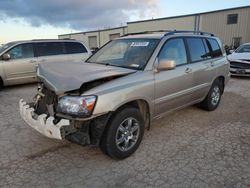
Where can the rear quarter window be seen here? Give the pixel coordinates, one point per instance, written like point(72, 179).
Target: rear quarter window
point(74, 48)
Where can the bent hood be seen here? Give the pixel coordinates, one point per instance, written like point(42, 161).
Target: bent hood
point(61, 77)
point(239, 56)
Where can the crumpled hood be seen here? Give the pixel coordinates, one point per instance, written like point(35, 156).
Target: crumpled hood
point(64, 76)
point(239, 56)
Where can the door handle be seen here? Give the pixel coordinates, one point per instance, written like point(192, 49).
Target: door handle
point(188, 70)
point(212, 64)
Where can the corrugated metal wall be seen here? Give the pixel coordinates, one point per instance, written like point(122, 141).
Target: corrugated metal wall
point(102, 36)
point(163, 24)
point(217, 23)
point(214, 22)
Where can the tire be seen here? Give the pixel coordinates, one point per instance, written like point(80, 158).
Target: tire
point(121, 140)
point(212, 100)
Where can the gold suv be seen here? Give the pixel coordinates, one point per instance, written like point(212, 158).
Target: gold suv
point(111, 98)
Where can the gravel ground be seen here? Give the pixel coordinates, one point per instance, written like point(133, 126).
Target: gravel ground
point(189, 148)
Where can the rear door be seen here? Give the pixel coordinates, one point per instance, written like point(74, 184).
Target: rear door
point(200, 64)
point(76, 51)
point(21, 66)
point(172, 87)
point(51, 52)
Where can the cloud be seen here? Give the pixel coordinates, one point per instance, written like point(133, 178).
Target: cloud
point(78, 14)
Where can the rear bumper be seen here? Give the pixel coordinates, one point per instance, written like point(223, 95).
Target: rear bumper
point(43, 125)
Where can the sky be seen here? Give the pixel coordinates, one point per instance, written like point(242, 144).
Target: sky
point(33, 19)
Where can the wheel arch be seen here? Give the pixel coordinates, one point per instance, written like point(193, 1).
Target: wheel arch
point(101, 124)
point(222, 82)
point(140, 104)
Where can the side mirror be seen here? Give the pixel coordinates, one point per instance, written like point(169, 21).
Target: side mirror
point(231, 51)
point(6, 57)
point(166, 65)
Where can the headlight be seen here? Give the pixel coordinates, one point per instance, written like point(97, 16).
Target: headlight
point(76, 105)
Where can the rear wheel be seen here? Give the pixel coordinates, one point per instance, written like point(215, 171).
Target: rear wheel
point(123, 134)
point(212, 100)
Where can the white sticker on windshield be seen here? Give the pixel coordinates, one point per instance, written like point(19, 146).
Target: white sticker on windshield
point(134, 65)
point(135, 44)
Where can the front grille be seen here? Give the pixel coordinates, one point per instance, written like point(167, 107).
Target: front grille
point(239, 65)
point(49, 98)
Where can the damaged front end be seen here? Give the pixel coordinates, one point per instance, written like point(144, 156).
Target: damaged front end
point(40, 114)
point(60, 109)
point(43, 116)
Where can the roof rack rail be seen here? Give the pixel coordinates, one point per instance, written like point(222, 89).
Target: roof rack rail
point(188, 31)
point(42, 39)
point(51, 39)
point(146, 32)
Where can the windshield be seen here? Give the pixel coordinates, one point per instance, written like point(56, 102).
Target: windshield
point(5, 46)
point(127, 53)
point(243, 49)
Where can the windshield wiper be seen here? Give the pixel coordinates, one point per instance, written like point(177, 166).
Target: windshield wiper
point(109, 64)
point(122, 66)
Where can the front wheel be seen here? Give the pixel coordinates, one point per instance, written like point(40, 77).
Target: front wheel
point(212, 100)
point(123, 134)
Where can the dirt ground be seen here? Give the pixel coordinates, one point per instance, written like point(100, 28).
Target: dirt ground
point(189, 148)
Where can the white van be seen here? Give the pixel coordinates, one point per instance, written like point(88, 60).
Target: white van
point(18, 60)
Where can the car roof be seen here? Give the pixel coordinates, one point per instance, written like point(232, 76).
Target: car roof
point(44, 40)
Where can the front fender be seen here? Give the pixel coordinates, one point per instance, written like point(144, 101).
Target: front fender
point(114, 94)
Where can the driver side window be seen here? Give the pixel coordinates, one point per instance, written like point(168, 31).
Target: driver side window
point(21, 51)
point(174, 50)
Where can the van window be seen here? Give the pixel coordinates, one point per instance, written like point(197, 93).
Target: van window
point(74, 48)
point(49, 48)
point(21, 51)
point(216, 51)
point(174, 49)
point(196, 49)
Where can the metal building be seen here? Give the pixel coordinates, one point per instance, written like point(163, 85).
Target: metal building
point(232, 26)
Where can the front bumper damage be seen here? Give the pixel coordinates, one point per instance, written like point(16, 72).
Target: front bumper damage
point(41, 123)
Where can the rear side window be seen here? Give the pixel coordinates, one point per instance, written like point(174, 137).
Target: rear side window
point(74, 48)
point(196, 49)
point(216, 51)
point(49, 48)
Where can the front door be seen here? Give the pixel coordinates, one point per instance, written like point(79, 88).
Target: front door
point(20, 68)
point(172, 87)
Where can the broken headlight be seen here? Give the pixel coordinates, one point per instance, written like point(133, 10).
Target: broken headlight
point(76, 105)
